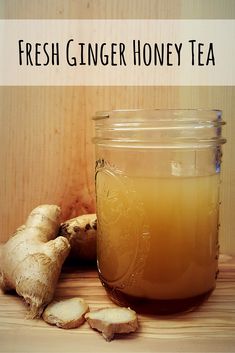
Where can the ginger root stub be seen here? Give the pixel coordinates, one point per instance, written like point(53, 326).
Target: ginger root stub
point(32, 258)
point(81, 234)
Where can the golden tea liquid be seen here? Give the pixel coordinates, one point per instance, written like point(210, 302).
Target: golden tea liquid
point(158, 237)
point(157, 193)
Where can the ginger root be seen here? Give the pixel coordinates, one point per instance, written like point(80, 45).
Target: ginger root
point(112, 320)
point(81, 234)
point(31, 260)
point(66, 313)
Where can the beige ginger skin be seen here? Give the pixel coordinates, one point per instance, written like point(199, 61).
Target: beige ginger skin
point(32, 258)
point(31, 262)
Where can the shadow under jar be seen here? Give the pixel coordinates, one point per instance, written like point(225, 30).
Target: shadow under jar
point(157, 192)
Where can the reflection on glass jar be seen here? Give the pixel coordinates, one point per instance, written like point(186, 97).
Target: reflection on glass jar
point(157, 190)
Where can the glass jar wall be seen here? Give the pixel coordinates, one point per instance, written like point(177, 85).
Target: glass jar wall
point(157, 191)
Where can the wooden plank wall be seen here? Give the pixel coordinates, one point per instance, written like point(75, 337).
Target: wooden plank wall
point(46, 154)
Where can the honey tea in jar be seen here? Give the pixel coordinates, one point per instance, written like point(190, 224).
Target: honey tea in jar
point(157, 192)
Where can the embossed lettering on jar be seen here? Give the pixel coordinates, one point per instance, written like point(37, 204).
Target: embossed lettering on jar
point(157, 191)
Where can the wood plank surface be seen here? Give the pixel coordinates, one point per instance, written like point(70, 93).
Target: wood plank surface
point(210, 328)
point(46, 153)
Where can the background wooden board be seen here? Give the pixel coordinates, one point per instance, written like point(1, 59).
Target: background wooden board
point(46, 154)
point(210, 328)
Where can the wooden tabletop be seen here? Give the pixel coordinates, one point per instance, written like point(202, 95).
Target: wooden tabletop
point(211, 328)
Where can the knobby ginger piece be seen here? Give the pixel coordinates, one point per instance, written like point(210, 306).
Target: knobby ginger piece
point(67, 313)
point(31, 259)
point(81, 234)
point(112, 320)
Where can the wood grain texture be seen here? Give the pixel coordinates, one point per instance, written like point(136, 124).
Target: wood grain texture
point(210, 328)
point(206, 9)
point(46, 154)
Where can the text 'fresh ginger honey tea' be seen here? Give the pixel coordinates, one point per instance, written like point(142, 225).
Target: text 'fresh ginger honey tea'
point(157, 190)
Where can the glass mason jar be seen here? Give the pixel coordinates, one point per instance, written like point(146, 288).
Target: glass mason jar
point(157, 193)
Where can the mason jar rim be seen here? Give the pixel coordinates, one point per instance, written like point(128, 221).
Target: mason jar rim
point(174, 112)
point(158, 128)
